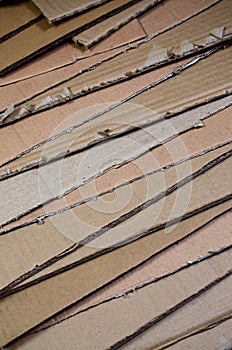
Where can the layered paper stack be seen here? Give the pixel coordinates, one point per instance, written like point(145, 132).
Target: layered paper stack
point(115, 174)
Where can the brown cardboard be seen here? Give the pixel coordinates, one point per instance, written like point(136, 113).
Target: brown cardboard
point(96, 33)
point(15, 17)
point(59, 178)
point(216, 130)
point(219, 335)
point(170, 12)
point(183, 40)
point(32, 242)
point(16, 50)
point(45, 303)
point(68, 54)
point(124, 116)
point(212, 237)
point(65, 9)
point(207, 309)
point(204, 308)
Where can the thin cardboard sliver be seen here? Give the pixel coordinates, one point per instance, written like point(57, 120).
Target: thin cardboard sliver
point(212, 237)
point(183, 40)
point(32, 242)
point(96, 33)
point(135, 224)
point(138, 110)
point(59, 178)
point(15, 17)
point(61, 55)
point(116, 318)
point(216, 131)
point(16, 51)
point(72, 286)
point(65, 9)
point(207, 309)
point(187, 319)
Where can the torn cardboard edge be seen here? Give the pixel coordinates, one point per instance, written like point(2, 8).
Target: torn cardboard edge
point(17, 306)
point(47, 8)
point(211, 162)
point(179, 129)
point(98, 32)
point(170, 311)
point(41, 218)
point(164, 58)
point(172, 26)
point(15, 165)
point(56, 40)
point(127, 292)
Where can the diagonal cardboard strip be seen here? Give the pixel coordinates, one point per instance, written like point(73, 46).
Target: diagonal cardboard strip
point(224, 281)
point(183, 40)
point(96, 33)
point(16, 50)
point(216, 131)
point(210, 238)
point(206, 310)
point(44, 299)
point(115, 318)
point(218, 333)
point(16, 17)
point(140, 109)
point(38, 243)
point(61, 9)
point(59, 178)
point(172, 14)
point(149, 217)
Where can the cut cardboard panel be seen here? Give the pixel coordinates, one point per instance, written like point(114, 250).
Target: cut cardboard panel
point(38, 303)
point(92, 35)
point(217, 130)
point(84, 223)
point(185, 39)
point(61, 9)
point(210, 238)
point(16, 51)
point(59, 178)
point(68, 54)
point(219, 335)
point(138, 110)
point(15, 17)
point(207, 309)
point(170, 12)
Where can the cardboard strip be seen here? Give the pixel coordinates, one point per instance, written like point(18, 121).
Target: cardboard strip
point(207, 294)
point(46, 303)
point(15, 17)
point(183, 40)
point(210, 238)
point(62, 55)
point(93, 226)
point(61, 10)
point(16, 51)
point(126, 116)
point(59, 178)
point(216, 131)
point(96, 33)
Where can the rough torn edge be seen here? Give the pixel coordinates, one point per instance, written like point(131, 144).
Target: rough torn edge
point(122, 52)
point(16, 285)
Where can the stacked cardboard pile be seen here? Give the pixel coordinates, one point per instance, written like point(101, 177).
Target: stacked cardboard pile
point(115, 174)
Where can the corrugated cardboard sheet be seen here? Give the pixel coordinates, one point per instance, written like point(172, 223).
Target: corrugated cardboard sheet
point(115, 176)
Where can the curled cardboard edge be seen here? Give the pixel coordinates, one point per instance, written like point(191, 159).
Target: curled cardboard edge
point(89, 37)
point(8, 290)
point(10, 169)
point(168, 58)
